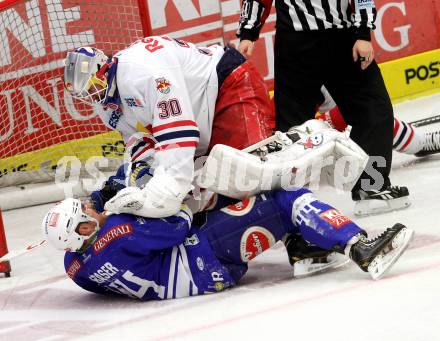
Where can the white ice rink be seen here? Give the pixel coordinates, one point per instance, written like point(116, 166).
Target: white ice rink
point(39, 302)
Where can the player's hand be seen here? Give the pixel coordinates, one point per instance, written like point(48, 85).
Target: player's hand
point(246, 47)
point(363, 51)
point(128, 200)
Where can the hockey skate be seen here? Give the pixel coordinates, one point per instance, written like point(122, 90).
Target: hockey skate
point(432, 144)
point(375, 202)
point(377, 255)
point(308, 259)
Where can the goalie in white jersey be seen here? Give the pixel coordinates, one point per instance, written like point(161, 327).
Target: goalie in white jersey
point(171, 101)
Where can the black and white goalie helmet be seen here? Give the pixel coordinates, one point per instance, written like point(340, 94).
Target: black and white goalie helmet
point(80, 74)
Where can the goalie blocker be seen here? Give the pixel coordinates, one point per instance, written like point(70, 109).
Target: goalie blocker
point(308, 154)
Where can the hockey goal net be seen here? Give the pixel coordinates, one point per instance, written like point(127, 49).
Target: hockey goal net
point(40, 123)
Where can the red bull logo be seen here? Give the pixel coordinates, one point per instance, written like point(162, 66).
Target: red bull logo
point(163, 85)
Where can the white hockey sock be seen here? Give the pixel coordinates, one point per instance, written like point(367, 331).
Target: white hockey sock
point(351, 242)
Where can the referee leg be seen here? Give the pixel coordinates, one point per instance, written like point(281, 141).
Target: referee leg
point(365, 104)
point(298, 77)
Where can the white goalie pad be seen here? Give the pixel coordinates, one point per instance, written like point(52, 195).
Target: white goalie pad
point(320, 153)
point(349, 162)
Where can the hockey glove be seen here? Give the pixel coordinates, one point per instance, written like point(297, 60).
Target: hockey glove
point(159, 198)
point(140, 173)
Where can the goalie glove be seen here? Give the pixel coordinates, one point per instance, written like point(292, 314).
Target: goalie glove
point(127, 200)
point(159, 198)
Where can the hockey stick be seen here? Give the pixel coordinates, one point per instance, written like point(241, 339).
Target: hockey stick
point(17, 253)
point(426, 121)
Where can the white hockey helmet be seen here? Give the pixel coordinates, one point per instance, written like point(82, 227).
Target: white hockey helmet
point(60, 223)
point(81, 76)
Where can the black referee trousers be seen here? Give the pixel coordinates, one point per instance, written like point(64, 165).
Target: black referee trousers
point(304, 61)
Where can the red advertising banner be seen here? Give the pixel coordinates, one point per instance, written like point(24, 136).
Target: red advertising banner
point(403, 27)
point(407, 27)
point(35, 36)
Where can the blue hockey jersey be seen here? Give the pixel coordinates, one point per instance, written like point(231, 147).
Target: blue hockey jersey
point(148, 259)
point(153, 259)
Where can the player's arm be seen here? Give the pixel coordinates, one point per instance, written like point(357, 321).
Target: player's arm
point(136, 173)
point(363, 19)
point(158, 234)
point(73, 266)
point(253, 15)
point(363, 22)
point(175, 136)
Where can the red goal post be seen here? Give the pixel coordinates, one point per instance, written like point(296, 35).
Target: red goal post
point(39, 122)
point(5, 267)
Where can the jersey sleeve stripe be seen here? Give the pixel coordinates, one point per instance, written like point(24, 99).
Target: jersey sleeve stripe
point(183, 123)
point(177, 140)
point(177, 145)
point(177, 134)
point(185, 215)
point(142, 154)
point(140, 145)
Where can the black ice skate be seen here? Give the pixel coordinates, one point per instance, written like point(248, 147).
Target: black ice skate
point(431, 145)
point(375, 202)
point(308, 259)
point(377, 255)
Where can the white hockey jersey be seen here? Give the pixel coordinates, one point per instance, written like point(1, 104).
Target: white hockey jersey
point(167, 90)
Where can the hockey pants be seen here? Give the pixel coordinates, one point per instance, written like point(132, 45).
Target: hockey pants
point(240, 232)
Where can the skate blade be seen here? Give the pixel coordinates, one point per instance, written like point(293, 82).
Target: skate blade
point(382, 263)
point(364, 208)
point(305, 267)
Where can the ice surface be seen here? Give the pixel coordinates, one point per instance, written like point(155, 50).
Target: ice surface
point(39, 303)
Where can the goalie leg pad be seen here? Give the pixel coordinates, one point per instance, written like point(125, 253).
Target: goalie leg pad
point(349, 163)
point(237, 174)
point(323, 153)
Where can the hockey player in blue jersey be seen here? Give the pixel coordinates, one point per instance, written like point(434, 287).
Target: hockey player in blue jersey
point(153, 259)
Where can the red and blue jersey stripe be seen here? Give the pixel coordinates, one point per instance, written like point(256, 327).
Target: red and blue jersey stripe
point(178, 134)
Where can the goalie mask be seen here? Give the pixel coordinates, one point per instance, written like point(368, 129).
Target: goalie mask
point(84, 74)
point(60, 224)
